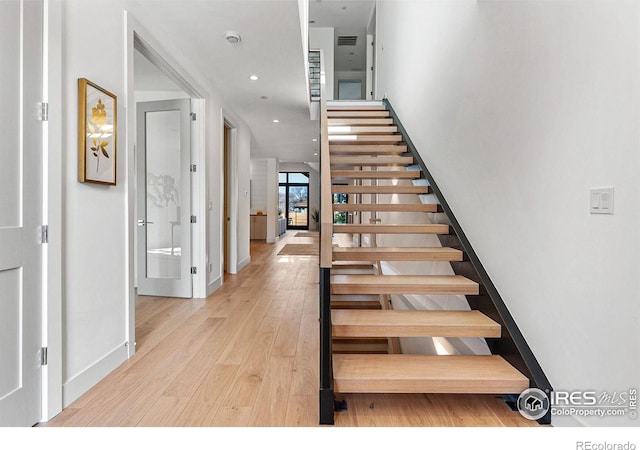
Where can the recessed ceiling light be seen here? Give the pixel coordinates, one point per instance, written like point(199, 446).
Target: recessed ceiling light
point(276, 121)
point(254, 78)
point(264, 97)
point(315, 153)
point(314, 140)
point(232, 37)
point(344, 7)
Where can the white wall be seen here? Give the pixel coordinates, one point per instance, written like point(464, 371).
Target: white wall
point(96, 285)
point(243, 145)
point(518, 108)
point(95, 255)
point(323, 38)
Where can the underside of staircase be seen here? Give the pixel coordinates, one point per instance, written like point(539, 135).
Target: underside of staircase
point(369, 157)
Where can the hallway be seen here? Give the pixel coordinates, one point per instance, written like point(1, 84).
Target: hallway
point(248, 356)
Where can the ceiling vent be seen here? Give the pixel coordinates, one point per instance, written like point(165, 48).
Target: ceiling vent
point(347, 40)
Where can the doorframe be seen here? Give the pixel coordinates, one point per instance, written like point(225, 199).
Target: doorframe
point(52, 214)
point(139, 38)
point(233, 194)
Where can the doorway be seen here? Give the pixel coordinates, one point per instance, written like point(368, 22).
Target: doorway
point(227, 197)
point(349, 89)
point(164, 198)
point(293, 199)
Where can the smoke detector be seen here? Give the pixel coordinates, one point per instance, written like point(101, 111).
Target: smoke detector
point(232, 37)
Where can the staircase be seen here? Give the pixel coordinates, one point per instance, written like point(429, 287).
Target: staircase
point(365, 147)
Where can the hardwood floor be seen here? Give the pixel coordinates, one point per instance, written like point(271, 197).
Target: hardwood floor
point(248, 357)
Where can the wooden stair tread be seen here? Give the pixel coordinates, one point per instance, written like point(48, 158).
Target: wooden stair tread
point(357, 139)
point(350, 265)
point(391, 228)
point(375, 174)
point(354, 114)
point(395, 323)
point(366, 160)
point(362, 129)
point(403, 284)
point(360, 121)
point(384, 207)
point(397, 254)
point(477, 374)
point(349, 189)
point(368, 150)
point(355, 107)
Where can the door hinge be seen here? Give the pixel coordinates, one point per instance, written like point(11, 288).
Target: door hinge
point(45, 111)
point(43, 356)
point(44, 234)
point(194, 270)
point(192, 168)
point(194, 219)
point(193, 116)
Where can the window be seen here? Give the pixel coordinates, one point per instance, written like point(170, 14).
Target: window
point(293, 201)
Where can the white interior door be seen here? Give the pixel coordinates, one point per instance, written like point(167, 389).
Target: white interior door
point(164, 198)
point(20, 212)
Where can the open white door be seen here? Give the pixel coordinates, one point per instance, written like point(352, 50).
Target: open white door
point(164, 198)
point(20, 213)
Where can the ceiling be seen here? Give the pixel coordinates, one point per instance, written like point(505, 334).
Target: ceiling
point(193, 33)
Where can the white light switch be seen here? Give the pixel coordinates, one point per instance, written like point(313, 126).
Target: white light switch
point(601, 200)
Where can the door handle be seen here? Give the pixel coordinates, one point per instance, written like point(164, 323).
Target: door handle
point(142, 222)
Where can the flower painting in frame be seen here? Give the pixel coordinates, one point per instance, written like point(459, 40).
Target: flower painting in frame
point(97, 126)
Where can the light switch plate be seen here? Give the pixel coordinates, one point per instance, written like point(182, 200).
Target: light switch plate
point(601, 200)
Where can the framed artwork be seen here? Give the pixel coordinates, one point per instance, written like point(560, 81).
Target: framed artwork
point(97, 128)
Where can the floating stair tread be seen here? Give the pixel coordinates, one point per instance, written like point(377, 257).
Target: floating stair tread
point(346, 189)
point(383, 207)
point(391, 228)
point(350, 265)
point(372, 160)
point(394, 323)
point(403, 284)
point(354, 114)
point(361, 129)
point(355, 107)
point(377, 149)
point(360, 121)
point(477, 374)
point(357, 139)
point(396, 254)
point(375, 174)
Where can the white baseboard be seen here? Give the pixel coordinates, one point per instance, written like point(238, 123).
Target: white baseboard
point(244, 263)
point(89, 377)
point(215, 284)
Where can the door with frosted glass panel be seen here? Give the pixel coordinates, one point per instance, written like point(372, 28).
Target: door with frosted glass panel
point(164, 198)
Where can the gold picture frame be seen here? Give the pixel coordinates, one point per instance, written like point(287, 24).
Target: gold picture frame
point(97, 134)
